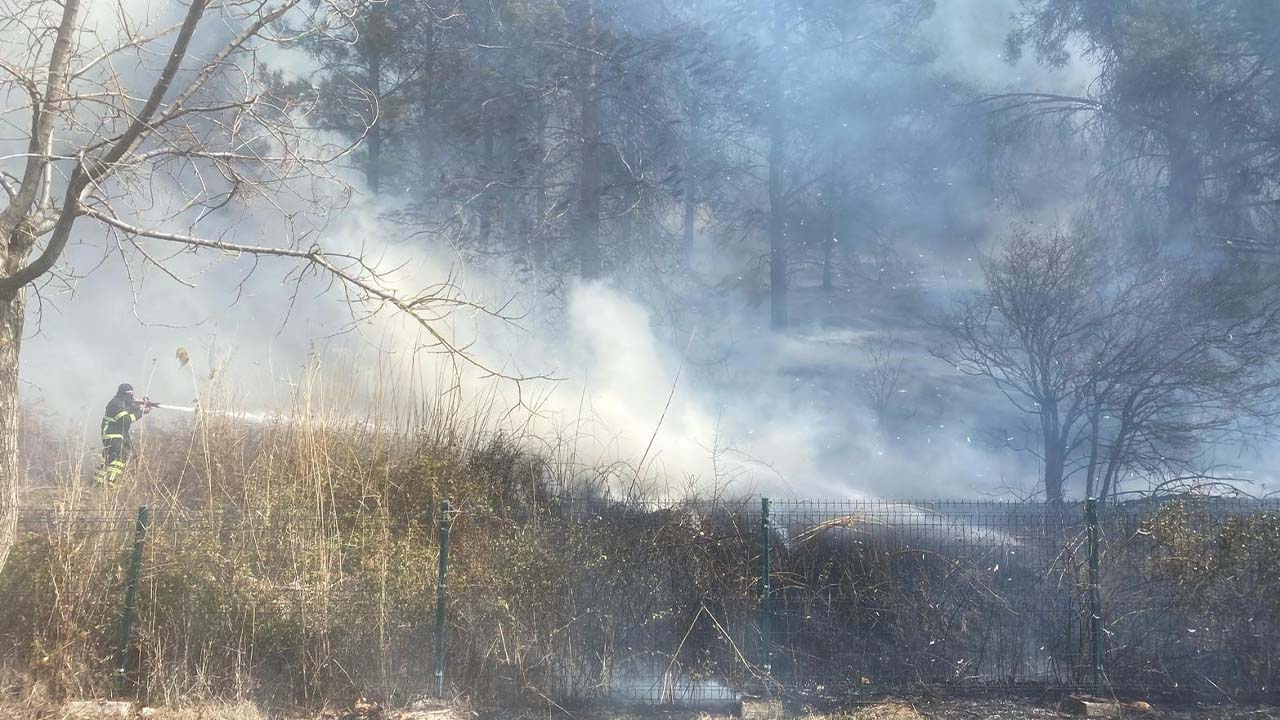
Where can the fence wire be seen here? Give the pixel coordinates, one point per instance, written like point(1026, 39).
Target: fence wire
point(659, 602)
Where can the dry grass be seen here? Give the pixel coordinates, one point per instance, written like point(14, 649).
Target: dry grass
point(28, 709)
point(292, 562)
point(890, 710)
point(229, 711)
point(22, 696)
point(287, 556)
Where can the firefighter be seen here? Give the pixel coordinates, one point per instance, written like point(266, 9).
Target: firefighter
point(117, 446)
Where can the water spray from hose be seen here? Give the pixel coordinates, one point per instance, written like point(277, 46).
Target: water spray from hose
point(180, 408)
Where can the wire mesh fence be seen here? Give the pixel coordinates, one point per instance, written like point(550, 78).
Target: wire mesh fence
point(656, 602)
point(285, 606)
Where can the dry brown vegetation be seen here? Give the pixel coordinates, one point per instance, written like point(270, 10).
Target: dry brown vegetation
point(292, 563)
point(892, 710)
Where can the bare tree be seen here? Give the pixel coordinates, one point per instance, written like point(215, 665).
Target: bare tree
point(1178, 370)
point(1029, 331)
point(145, 130)
point(883, 377)
point(1128, 364)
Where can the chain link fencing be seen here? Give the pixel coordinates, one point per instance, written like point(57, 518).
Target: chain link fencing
point(574, 600)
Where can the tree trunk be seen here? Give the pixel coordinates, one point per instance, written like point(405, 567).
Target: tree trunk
point(1053, 472)
point(426, 146)
point(494, 65)
point(777, 211)
point(1114, 457)
point(1055, 455)
point(13, 304)
point(587, 233)
point(375, 41)
point(1091, 472)
point(12, 314)
point(373, 166)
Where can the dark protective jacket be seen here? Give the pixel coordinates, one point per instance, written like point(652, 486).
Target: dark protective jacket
point(121, 412)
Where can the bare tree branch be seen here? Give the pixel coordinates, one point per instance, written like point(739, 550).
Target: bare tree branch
point(350, 270)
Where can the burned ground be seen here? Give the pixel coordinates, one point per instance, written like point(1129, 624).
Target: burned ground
point(924, 708)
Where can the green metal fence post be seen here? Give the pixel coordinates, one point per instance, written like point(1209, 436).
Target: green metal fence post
point(1095, 593)
point(131, 597)
point(440, 597)
point(766, 611)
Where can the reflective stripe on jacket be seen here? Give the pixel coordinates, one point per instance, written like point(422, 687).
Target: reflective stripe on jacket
point(120, 414)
